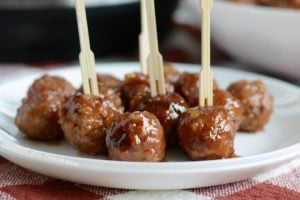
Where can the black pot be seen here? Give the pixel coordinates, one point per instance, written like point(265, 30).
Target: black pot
point(50, 33)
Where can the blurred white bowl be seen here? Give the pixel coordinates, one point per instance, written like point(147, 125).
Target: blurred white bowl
point(262, 36)
point(265, 37)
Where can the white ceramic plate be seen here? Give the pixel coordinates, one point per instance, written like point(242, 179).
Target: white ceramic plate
point(279, 143)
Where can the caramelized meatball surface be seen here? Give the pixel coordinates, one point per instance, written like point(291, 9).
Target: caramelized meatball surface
point(206, 133)
point(231, 104)
point(106, 82)
point(136, 136)
point(188, 87)
point(37, 117)
point(109, 93)
point(109, 81)
point(135, 84)
point(274, 3)
point(167, 108)
point(84, 119)
point(111, 96)
point(257, 104)
point(171, 73)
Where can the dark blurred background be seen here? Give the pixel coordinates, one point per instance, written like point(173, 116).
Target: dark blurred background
point(43, 33)
point(46, 30)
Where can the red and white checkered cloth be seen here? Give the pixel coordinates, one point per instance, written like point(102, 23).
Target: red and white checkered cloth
point(19, 183)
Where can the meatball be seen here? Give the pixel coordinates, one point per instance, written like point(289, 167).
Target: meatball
point(188, 87)
point(257, 104)
point(136, 136)
point(109, 81)
point(294, 4)
point(111, 96)
point(231, 104)
point(206, 133)
point(137, 83)
point(282, 4)
point(167, 108)
point(275, 3)
point(84, 119)
point(134, 84)
point(246, 1)
point(37, 117)
point(171, 74)
point(109, 93)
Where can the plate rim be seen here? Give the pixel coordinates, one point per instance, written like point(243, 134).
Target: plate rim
point(169, 167)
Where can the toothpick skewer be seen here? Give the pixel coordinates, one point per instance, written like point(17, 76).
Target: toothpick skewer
point(143, 39)
point(206, 77)
point(86, 56)
point(154, 59)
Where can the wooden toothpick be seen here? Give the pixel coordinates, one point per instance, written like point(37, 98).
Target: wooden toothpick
point(86, 56)
point(206, 77)
point(143, 39)
point(154, 58)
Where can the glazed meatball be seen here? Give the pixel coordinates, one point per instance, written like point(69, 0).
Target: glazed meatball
point(245, 1)
point(109, 81)
point(294, 4)
point(106, 81)
point(167, 108)
point(206, 133)
point(137, 83)
point(275, 3)
point(109, 93)
point(231, 104)
point(171, 74)
point(136, 136)
point(84, 119)
point(111, 96)
point(188, 87)
point(134, 84)
point(37, 117)
point(257, 104)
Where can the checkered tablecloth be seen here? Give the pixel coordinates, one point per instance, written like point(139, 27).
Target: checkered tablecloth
point(19, 183)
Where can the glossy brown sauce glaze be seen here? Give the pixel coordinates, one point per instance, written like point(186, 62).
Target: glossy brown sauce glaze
point(274, 3)
point(93, 123)
point(188, 87)
point(257, 104)
point(231, 104)
point(38, 115)
point(136, 136)
point(206, 133)
point(109, 81)
point(135, 84)
point(167, 108)
point(111, 96)
point(53, 142)
point(107, 84)
point(84, 119)
point(171, 73)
